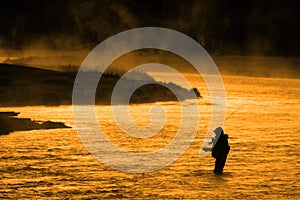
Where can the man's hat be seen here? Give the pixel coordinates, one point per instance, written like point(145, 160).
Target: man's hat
point(219, 131)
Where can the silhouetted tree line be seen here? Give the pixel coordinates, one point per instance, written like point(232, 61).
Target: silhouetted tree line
point(269, 27)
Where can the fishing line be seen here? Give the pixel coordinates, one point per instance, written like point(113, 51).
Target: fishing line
point(232, 113)
point(207, 149)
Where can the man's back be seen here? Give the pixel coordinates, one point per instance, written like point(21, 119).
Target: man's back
point(221, 148)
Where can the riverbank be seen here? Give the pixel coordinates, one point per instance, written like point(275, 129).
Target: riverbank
point(10, 123)
point(27, 86)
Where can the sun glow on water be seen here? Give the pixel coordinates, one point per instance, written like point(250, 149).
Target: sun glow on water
point(263, 161)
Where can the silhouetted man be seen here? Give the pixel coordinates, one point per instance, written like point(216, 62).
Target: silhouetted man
point(220, 150)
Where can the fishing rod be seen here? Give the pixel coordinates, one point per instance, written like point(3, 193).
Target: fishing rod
point(232, 113)
point(207, 149)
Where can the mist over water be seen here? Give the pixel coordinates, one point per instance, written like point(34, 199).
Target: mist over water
point(247, 40)
point(263, 162)
point(67, 60)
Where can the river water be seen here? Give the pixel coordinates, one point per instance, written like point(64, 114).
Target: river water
point(264, 161)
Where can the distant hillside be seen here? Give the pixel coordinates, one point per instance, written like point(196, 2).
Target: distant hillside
point(22, 86)
point(227, 27)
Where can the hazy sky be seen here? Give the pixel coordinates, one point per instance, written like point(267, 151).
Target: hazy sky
point(269, 27)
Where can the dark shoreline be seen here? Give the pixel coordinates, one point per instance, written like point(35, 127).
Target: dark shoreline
point(10, 123)
point(27, 86)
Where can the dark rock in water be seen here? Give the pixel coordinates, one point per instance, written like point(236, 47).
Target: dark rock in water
point(9, 123)
point(51, 125)
point(197, 93)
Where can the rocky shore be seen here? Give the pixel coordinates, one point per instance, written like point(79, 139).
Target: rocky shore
point(10, 123)
point(28, 86)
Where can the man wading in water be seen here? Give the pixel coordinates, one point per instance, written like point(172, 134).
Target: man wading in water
point(220, 150)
